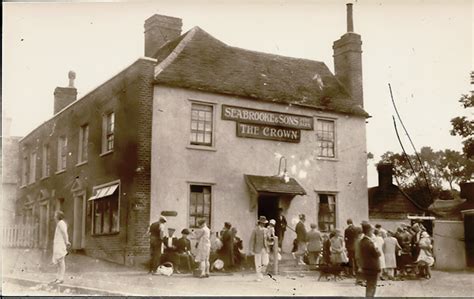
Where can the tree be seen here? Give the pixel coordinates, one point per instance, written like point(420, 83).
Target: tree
point(455, 168)
point(464, 126)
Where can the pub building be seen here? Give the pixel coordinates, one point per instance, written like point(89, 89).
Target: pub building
point(199, 129)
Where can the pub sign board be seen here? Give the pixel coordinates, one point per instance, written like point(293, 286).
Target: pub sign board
point(263, 117)
point(259, 131)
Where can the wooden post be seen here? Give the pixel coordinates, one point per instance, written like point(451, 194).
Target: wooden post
point(275, 255)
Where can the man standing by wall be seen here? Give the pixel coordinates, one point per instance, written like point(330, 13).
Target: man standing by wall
point(369, 259)
point(349, 236)
point(156, 240)
point(259, 247)
point(60, 245)
point(280, 227)
point(301, 239)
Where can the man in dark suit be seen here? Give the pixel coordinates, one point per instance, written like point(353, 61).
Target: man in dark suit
point(349, 237)
point(369, 259)
point(301, 238)
point(280, 227)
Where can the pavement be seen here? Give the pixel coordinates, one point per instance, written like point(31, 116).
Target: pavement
point(89, 276)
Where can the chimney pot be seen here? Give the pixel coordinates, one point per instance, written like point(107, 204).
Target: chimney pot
point(350, 20)
point(72, 76)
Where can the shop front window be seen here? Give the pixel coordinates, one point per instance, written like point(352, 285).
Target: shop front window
point(327, 212)
point(199, 205)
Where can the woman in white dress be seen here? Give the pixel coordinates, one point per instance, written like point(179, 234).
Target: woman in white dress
point(390, 249)
point(60, 245)
point(203, 236)
point(425, 258)
point(379, 242)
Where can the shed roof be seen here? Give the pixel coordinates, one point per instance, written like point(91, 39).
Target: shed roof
point(197, 60)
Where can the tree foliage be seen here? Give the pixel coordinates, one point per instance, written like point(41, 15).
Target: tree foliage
point(464, 126)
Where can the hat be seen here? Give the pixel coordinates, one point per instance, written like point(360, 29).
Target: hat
point(218, 264)
point(272, 221)
point(302, 216)
point(185, 231)
point(171, 231)
point(262, 219)
point(201, 222)
point(425, 235)
point(163, 219)
point(312, 225)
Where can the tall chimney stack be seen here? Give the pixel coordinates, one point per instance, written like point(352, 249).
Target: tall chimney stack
point(159, 30)
point(350, 21)
point(63, 96)
point(385, 171)
point(348, 60)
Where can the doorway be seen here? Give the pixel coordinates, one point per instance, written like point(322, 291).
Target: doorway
point(79, 223)
point(268, 206)
point(44, 220)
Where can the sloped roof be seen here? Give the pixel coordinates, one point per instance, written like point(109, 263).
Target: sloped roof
point(274, 184)
point(199, 61)
point(378, 196)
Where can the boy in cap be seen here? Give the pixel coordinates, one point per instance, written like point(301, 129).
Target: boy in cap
point(259, 247)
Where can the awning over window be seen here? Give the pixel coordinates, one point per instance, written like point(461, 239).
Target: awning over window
point(274, 184)
point(104, 192)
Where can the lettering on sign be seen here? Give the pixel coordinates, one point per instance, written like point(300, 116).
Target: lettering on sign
point(254, 116)
point(268, 132)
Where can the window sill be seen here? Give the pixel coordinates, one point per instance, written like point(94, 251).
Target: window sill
point(106, 153)
point(81, 163)
point(22, 186)
point(106, 234)
point(202, 148)
point(60, 171)
point(327, 159)
point(44, 178)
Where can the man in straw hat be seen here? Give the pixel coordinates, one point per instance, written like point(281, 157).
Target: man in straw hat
point(157, 235)
point(259, 247)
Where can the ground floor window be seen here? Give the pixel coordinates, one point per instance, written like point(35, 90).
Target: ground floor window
point(105, 210)
point(199, 205)
point(327, 212)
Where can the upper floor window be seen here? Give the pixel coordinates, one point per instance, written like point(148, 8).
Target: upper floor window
point(32, 170)
point(326, 138)
point(83, 143)
point(327, 212)
point(46, 167)
point(24, 171)
point(108, 127)
point(62, 153)
point(201, 124)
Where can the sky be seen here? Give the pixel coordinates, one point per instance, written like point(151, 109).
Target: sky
point(424, 49)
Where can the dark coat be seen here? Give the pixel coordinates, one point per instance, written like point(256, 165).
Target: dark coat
point(300, 232)
point(227, 250)
point(183, 245)
point(280, 226)
point(369, 256)
point(350, 235)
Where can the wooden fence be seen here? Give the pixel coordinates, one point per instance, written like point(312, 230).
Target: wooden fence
point(20, 236)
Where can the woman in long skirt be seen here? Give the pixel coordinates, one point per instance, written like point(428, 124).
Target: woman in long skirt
point(390, 248)
point(203, 236)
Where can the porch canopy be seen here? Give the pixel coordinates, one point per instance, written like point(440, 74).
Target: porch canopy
point(104, 191)
point(271, 184)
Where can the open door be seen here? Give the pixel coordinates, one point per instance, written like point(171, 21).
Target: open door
point(79, 223)
point(268, 206)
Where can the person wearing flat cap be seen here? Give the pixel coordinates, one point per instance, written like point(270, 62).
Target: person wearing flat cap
point(157, 235)
point(259, 247)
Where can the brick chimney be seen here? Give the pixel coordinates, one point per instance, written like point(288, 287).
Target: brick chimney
point(63, 96)
point(385, 171)
point(160, 29)
point(348, 60)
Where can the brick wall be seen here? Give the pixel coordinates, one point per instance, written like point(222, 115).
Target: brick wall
point(127, 95)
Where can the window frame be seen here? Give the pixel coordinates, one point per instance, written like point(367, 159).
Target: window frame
point(212, 145)
point(106, 134)
point(62, 152)
point(25, 170)
point(83, 145)
point(92, 207)
point(46, 161)
point(335, 210)
point(211, 197)
point(32, 167)
point(334, 140)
